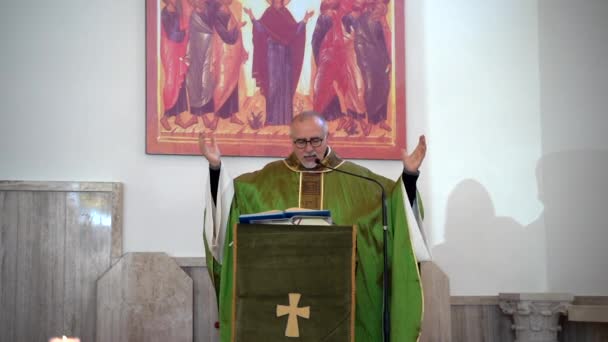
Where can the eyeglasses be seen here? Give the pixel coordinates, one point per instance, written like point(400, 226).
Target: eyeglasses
point(314, 142)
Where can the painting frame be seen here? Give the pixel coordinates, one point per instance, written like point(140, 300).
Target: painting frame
point(269, 142)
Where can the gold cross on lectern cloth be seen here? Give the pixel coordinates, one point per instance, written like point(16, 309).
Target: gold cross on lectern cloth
point(293, 311)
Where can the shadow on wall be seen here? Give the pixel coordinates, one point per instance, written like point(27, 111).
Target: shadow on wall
point(485, 254)
point(573, 188)
point(564, 250)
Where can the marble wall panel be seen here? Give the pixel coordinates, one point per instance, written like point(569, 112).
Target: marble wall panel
point(145, 297)
point(56, 239)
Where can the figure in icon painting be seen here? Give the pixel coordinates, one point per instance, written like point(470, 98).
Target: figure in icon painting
point(215, 54)
point(278, 54)
point(173, 42)
point(199, 79)
point(329, 52)
point(367, 20)
point(229, 56)
point(244, 68)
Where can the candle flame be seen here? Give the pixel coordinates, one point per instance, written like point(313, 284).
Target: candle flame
point(65, 338)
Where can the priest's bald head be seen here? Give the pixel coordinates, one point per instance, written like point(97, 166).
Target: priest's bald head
point(308, 132)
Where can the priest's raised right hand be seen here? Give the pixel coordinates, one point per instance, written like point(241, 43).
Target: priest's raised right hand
point(211, 152)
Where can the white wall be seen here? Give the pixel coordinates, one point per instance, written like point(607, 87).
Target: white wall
point(574, 115)
point(484, 85)
point(481, 99)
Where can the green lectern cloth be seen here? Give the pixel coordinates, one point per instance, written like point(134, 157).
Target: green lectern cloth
point(305, 275)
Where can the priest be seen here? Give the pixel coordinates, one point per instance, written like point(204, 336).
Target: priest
point(300, 180)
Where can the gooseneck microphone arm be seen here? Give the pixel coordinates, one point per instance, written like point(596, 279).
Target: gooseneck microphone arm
point(386, 315)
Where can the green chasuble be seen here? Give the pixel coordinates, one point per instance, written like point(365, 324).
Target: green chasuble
point(352, 201)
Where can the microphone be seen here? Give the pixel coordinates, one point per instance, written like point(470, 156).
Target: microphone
point(386, 316)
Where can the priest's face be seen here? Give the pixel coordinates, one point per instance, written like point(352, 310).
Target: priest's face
point(309, 141)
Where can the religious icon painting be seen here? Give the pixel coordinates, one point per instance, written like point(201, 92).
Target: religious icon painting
point(242, 69)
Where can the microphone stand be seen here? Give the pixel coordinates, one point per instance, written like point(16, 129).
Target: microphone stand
point(386, 315)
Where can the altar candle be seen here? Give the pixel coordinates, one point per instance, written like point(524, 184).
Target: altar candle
point(64, 339)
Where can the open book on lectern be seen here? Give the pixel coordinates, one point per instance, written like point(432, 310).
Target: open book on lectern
point(293, 216)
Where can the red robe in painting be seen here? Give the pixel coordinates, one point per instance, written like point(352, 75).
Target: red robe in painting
point(173, 43)
point(330, 60)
